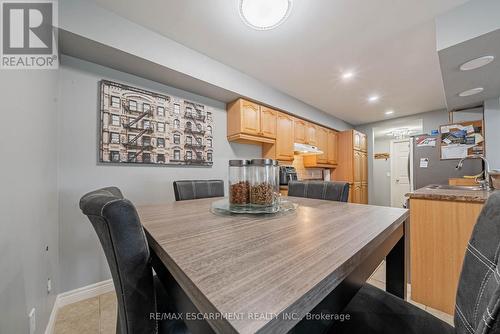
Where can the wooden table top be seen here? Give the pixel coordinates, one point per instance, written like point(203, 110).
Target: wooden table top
point(254, 270)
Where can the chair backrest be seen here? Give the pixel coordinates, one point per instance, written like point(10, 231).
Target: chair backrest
point(122, 237)
point(196, 189)
point(478, 296)
point(332, 191)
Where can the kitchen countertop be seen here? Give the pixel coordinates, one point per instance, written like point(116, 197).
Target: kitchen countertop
point(457, 194)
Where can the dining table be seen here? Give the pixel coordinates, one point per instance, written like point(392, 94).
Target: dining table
point(276, 273)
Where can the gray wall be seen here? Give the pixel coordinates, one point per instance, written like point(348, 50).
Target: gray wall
point(430, 121)
point(381, 167)
point(28, 197)
point(81, 257)
point(492, 132)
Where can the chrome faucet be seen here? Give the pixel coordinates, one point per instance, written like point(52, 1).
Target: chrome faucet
point(484, 184)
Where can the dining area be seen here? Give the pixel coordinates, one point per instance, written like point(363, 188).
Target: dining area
point(202, 264)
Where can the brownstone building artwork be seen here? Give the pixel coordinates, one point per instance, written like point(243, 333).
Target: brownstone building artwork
point(138, 126)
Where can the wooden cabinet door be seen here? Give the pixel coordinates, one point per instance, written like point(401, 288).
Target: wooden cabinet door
point(299, 131)
point(322, 143)
point(311, 134)
point(356, 193)
point(364, 194)
point(332, 148)
point(357, 166)
point(268, 119)
point(356, 140)
point(250, 118)
point(363, 144)
point(284, 138)
point(364, 167)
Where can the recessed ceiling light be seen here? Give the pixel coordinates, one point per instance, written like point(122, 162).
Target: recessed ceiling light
point(373, 98)
point(347, 75)
point(389, 112)
point(264, 14)
point(472, 91)
point(476, 63)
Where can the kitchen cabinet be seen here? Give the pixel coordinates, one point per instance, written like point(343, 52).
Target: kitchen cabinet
point(364, 167)
point(332, 147)
point(364, 193)
point(249, 122)
point(268, 119)
point(322, 144)
point(299, 131)
point(439, 233)
point(282, 148)
point(311, 134)
point(326, 141)
point(353, 164)
point(356, 193)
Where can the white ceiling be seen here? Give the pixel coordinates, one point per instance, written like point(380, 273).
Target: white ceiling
point(390, 44)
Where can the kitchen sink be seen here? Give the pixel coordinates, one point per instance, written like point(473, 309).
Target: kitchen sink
point(448, 187)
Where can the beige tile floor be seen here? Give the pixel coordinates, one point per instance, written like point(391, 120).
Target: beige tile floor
point(98, 315)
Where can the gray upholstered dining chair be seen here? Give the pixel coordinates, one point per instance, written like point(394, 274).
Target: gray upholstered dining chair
point(332, 191)
point(477, 309)
point(139, 293)
point(197, 189)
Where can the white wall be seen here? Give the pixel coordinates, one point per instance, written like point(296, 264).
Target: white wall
point(28, 197)
point(81, 257)
point(492, 132)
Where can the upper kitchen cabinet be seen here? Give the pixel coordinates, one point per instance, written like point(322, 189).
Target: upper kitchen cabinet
point(332, 156)
point(299, 131)
point(249, 122)
point(322, 143)
point(268, 118)
point(359, 141)
point(282, 149)
point(311, 133)
point(326, 141)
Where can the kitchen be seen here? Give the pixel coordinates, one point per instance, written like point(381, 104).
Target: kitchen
point(335, 170)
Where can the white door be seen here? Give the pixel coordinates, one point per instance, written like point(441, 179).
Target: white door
point(400, 180)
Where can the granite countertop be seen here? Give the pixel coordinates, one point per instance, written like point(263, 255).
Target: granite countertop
point(460, 194)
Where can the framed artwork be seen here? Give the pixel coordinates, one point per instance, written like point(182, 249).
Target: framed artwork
point(143, 127)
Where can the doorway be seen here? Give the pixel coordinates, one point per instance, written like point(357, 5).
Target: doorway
point(382, 159)
point(400, 171)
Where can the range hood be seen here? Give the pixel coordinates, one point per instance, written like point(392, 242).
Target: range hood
point(304, 149)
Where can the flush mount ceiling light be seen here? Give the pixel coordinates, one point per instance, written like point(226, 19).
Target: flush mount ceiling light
point(348, 75)
point(373, 98)
point(389, 112)
point(476, 63)
point(264, 14)
point(472, 91)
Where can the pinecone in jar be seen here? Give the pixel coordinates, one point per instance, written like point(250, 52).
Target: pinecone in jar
point(262, 194)
point(239, 193)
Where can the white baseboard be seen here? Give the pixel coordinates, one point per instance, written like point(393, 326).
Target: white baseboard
point(73, 296)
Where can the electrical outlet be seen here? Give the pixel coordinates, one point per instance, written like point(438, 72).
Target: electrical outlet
point(32, 318)
point(49, 285)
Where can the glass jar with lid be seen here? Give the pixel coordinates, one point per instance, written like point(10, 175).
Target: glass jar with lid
point(239, 183)
point(264, 183)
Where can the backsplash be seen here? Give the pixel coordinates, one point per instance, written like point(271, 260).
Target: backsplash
point(306, 173)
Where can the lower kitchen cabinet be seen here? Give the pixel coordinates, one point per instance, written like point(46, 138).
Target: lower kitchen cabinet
point(439, 233)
